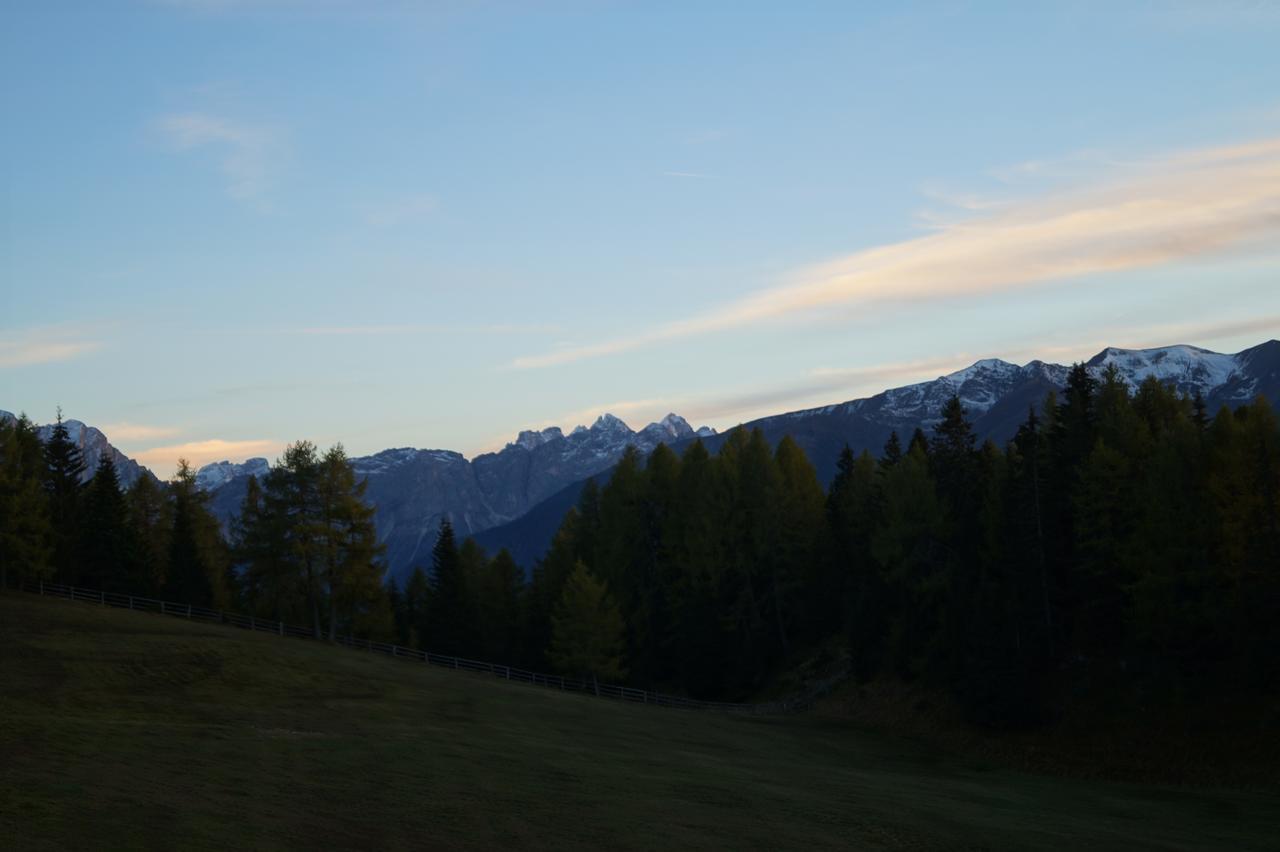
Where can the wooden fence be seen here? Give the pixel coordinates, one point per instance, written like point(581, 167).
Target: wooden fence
point(279, 628)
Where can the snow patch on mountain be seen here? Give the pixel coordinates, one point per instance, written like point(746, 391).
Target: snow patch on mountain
point(216, 474)
point(1187, 368)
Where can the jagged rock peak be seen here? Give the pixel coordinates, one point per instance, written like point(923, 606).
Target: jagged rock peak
point(608, 423)
point(533, 438)
point(216, 474)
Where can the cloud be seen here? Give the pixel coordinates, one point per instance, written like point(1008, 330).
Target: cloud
point(202, 452)
point(391, 330)
point(833, 385)
point(45, 345)
point(1174, 208)
point(247, 152)
point(124, 432)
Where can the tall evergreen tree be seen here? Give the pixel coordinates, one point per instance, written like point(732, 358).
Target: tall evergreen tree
point(64, 474)
point(447, 621)
point(24, 506)
point(108, 548)
point(190, 567)
point(151, 522)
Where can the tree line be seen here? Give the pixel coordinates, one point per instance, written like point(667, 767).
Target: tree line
point(151, 539)
point(1121, 542)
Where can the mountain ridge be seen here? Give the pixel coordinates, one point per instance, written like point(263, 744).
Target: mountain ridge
point(534, 478)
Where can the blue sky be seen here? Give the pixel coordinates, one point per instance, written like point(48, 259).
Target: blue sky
point(228, 225)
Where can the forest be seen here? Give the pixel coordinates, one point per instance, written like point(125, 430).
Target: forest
point(1122, 543)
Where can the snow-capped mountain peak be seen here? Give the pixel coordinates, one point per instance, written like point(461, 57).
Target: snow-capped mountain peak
point(608, 423)
point(1187, 368)
point(215, 474)
point(531, 438)
point(668, 430)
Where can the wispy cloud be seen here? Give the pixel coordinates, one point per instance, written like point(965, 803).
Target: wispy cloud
point(833, 385)
point(42, 346)
point(1175, 208)
point(247, 152)
point(124, 432)
point(394, 329)
point(164, 460)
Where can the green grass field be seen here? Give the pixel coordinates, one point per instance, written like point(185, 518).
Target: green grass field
point(121, 730)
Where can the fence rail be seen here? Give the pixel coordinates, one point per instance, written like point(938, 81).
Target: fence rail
point(279, 628)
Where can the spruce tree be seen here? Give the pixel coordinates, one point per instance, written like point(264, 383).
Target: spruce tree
point(188, 579)
point(108, 548)
point(150, 522)
point(24, 506)
point(64, 474)
point(892, 452)
point(447, 620)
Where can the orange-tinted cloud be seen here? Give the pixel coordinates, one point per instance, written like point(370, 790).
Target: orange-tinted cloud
point(1175, 208)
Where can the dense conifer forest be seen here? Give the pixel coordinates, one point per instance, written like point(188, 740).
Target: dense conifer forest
point(1122, 544)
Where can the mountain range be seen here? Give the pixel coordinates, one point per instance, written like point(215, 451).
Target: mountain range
point(516, 497)
point(93, 444)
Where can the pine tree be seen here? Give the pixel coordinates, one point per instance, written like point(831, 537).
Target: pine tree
point(892, 452)
point(549, 576)
point(64, 473)
point(496, 591)
point(24, 507)
point(416, 603)
point(919, 443)
point(188, 580)
point(447, 621)
point(796, 562)
point(587, 634)
point(150, 522)
point(108, 548)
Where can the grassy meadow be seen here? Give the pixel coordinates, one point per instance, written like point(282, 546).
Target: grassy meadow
point(122, 730)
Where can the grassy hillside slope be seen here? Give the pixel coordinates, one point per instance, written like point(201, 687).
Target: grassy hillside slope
point(121, 730)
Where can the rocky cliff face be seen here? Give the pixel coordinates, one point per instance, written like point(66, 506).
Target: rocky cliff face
point(93, 444)
point(414, 489)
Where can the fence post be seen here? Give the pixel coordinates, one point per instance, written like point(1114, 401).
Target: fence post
point(508, 668)
point(455, 662)
point(281, 628)
point(393, 651)
point(130, 601)
point(102, 596)
point(252, 623)
point(188, 610)
point(162, 607)
point(42, 586)
point(73, 593)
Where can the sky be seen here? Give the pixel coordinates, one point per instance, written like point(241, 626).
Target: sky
point(226, 225)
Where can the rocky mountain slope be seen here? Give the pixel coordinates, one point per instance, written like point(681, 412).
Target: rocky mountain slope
point(995, 393)
point(414, 489)
point(93, 444)
point(516, 497)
